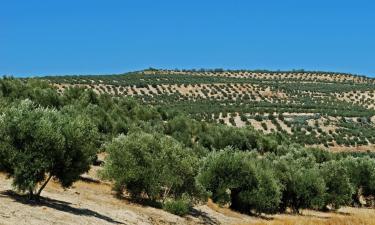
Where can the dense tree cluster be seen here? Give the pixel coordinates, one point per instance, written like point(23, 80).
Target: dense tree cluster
point(164, 156)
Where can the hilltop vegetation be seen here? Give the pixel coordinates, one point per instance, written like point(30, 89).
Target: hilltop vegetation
point(330, 110)
point(174, 159)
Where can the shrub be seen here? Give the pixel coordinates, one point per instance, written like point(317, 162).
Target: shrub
point(179, 207)
point(231, 121)
point(219, 137)
point(339, 189)
point(303, 187)
point(361, 175)
point(151, 165)
point(271, 116)
point(258, 118)
point(242, 180)
point(38, 144)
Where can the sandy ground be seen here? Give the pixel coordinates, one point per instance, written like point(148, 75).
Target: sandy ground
point(90, 202)
point(93, 202)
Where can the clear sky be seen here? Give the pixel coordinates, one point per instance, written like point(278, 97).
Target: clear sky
point(46, 37)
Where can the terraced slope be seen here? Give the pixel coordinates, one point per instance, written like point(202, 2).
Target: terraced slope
point(314, 108)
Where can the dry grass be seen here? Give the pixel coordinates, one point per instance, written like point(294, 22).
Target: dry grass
point(94, 203)
point(345, 216)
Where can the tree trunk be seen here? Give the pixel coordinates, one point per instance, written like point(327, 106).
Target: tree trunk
point(236, 203)
point(43, 186)
point(31, 194)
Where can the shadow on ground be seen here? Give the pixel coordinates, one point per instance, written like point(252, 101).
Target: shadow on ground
point(203, 216)
point(57, 205)
point(148, 203)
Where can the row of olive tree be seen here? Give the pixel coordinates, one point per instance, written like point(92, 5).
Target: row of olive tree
point(159, 168)
point(302, 178)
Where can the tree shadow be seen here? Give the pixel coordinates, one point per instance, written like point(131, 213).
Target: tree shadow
point(204, 216)
point(343, 213)
point(253, 214)
point(149, 203)
point(89, 180)
point(57, 205)
point(312, 216)
point(139, 201)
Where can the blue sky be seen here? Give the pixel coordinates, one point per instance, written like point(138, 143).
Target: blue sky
point(47, 37)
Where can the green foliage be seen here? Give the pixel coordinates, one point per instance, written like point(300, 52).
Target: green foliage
point(161, 154)
point(179, 207)
point(361, 172)
point(234, 92)
point(239, 179)
point(303, 187)
point(38, 91)
point(37, 142)
point(219, 137)
point(151, 165)
point(339, 190)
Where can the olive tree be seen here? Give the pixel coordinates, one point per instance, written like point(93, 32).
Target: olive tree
point(150, 166)
point(361, 171)
point(241, 179)
point(339, 189)
point(37, 144)
point(303, 186)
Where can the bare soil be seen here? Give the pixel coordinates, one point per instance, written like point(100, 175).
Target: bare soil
point(91, 201)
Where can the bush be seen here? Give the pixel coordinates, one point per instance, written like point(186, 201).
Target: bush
point(339, 189)
point(150, 165)
point(219, 137)
point(243, 117)
point(303, 187)
point(38, 144)
point(258, 118)
point(179, 207)
point(242, 180)
point(361, 175)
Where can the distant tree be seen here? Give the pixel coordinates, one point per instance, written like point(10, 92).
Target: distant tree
point(258, 118)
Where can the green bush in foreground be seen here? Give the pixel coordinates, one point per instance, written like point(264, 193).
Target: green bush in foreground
point(339, 190)
point(297, 179)
point(37, 144)
point(303, 186)
point(151, 166)
point(179, 207)
point(241, 179)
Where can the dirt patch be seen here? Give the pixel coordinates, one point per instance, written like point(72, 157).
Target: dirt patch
point(90, 202)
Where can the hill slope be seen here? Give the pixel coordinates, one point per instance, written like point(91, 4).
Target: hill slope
point(89, 202)
point(314, 108)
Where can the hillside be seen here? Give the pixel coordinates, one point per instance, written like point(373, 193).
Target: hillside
point(89, 202)
point(82, 155)
point(333, 110)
